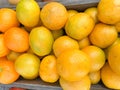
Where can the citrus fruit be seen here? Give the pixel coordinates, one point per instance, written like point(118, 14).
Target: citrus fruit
point(77, 27)
point(73, 64)
point(84, 42)
point(3, 49)
point(103, 35)
point(109, 78)
point(106, 50)
point(117, 25)
point(97, 57)
point(8, 19)
point(71, 12)
point(83, 84)
point(94, 77)
point(17, 39)
point(12, 56)
point(114, 58)
point(92, 11)
point(54, 15)
point(15, 2)
point(8, 73)
point(27, 65)
point(48, 69)
point(57, 33)
point(28, 12)
point(41, 41)
point(62, 43)
point(109, 11)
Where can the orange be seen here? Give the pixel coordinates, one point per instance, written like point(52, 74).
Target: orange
point(109, 78)
point(8, 73)
point(84, 42)
point(62, 43)
point(95, 77)
point(71, 12)
point(97, 57)
point(8, 19)
point(41, 41)
point(3, 49)
point(54, 15)
point(73, 64)
point(27, 65)
point(83, 84)
point(48, 69)
point(17, 39)
point(57, 33)
point(79, 26)
point(92, 11)
point(117, 25)
point(28, 12)
point(114, 58)
point(103, 35)
point(109, 11)
point(12, 56)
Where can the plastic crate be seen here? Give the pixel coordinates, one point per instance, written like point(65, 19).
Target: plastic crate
point(38, 84)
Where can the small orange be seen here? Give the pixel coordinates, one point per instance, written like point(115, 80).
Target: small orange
point(54, 15)
point(103, 35)
point(8, 19)
point(8, 73)
point(48, 69)
point(73, 64)
point(97, 57)
point(17, 39)
point(109, 78)
point(62, 43)
point(3, 49)
point(83, 84)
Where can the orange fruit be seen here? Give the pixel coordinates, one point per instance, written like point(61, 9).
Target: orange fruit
point(114, 58)
point(84, 42)
point(83, 84)
point(62, 43)
point(48, 69)
point(12, 56)
point(73, 64)
point(8, 73)
point(27, 65)
point(117, 25)
point(95, 77)
point(109, 11)
point(97, 57)
point(109, 78)
point(57, 33)
point(41, 41)
point(103, 35)
point(28, 12)
point(17, 39)
point(77, 27)
point(8, 19)
point(71, 12)
point(54, 15)
point(3, 49)
point(92, 11)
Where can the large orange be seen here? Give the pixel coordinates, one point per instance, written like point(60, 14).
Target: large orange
point(103, 35)
point(54, 15)
point(3, 49)
point(62, 43)
point(73, 64)
point(17, 39)
point(8, 73)
point(109, 78)
point(8, 19)
point(79, 26)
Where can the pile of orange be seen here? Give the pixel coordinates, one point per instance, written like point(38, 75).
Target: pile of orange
point(77, 49)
